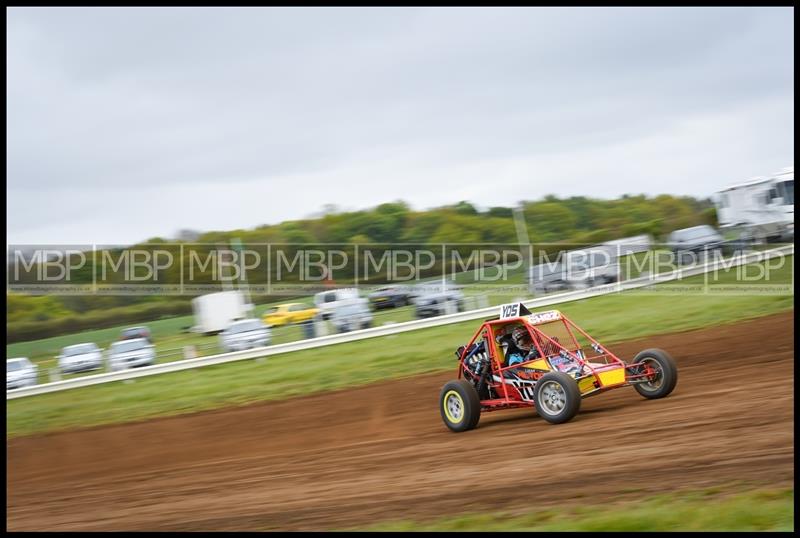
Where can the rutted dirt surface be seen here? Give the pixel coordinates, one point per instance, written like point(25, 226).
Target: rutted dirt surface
point(381, 452)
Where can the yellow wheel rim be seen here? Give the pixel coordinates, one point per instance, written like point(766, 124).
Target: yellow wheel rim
point(453, 406)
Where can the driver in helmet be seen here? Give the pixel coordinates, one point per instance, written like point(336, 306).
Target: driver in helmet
point(520, 346)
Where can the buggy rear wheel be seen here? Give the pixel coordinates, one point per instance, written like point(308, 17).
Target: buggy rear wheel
point(459, 405)
point(557, 397)
point(662, 373)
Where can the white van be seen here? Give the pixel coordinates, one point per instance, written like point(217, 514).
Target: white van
point(328, 301)
point(214, 312)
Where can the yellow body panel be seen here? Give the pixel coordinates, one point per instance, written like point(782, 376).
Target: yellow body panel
point(586, 384)
point(541, 364)
point(612, 377)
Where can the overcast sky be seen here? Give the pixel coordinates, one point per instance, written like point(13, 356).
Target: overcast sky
point(125, 124)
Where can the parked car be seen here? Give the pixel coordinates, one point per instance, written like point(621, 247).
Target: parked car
point(327, 301)
point(20, 372)
point(578, 269)
point(131, 353)
point(352, 315)
point(80, 358)
point(545, 278)
point(436, 299)
point(592, 266)
point(136, 332)
point(692, 244)
point(391, 297)
point(244, 334)
point(289, 313)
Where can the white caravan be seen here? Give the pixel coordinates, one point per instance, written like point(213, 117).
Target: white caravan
point(760, 209)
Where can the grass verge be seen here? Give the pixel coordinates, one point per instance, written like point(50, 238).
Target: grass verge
point(705, 510)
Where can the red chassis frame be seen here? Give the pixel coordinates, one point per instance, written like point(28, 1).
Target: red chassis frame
point(600, 372)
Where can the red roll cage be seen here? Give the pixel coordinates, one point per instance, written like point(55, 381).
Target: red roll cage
point(553, 336)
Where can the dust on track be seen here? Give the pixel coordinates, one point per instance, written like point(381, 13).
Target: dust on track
point(381, 452)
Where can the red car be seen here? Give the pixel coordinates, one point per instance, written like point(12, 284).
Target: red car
point(556, 366)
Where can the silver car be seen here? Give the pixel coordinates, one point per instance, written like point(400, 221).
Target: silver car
point(244, 334)
point(691, 245)
point(79, 358)
point(436, 299)
point(131, 353)
point(592, 267)
point(352, 315)
point(20, 372)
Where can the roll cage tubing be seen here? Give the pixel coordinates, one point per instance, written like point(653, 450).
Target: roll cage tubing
point(538, 337)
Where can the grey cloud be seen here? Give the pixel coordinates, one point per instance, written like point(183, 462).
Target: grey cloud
point(104, 102)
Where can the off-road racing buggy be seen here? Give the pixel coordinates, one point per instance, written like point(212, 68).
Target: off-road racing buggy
point(562, 365)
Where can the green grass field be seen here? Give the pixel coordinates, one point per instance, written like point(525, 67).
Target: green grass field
point(704, 510)
point(610, 318)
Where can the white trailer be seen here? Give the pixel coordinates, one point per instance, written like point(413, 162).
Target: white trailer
point(214, 312)
point(761, 209)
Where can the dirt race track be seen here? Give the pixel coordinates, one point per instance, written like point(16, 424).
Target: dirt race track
point(381, 452)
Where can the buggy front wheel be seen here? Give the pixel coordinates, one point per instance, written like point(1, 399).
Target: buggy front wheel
point(557, 397)
point(661, 373)
point(460, 405)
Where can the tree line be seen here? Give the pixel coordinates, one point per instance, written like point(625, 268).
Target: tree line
point(576, 219)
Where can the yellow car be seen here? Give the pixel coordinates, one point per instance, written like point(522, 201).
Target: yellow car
point(288, 313)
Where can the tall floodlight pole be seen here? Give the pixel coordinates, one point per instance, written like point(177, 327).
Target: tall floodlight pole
point(225, 281)
point(522, 237)
point(519, 222)
point(236, 244)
